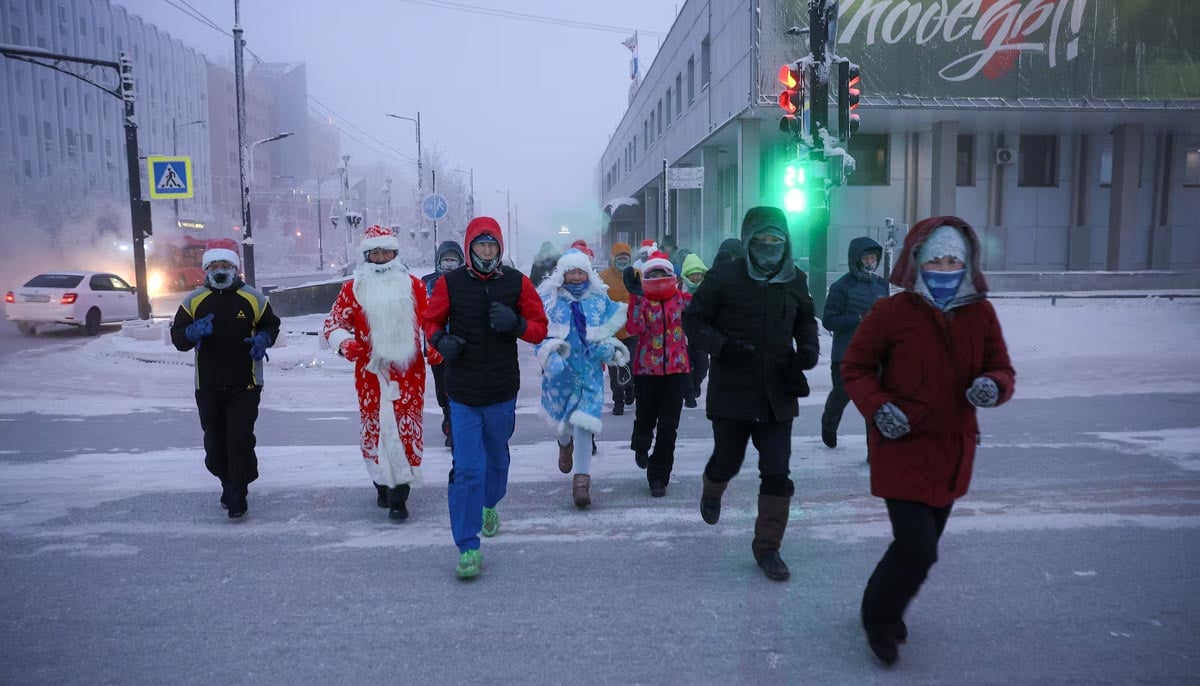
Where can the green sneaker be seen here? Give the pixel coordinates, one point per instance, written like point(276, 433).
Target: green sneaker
point(491, 522)
point(468, 564)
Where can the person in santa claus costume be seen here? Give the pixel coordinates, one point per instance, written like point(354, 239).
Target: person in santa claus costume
point(375, 323)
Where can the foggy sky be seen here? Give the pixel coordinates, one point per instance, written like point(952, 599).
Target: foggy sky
point(529, 105)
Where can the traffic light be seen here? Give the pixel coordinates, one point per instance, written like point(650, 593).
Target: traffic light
point(795, 188)
point(791, 98)
point(849, 80)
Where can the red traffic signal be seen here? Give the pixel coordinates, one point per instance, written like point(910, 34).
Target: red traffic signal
point(849, 80)
point(791, 98)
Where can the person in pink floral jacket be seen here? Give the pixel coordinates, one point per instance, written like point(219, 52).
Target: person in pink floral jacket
point(661, 370)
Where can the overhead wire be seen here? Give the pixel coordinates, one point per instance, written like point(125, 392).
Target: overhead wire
point(525, 16)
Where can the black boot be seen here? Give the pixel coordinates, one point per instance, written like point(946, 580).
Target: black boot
point(236, 499)
point(641, 458)
point(882, 638)
point(397, 499)
point(448, 433)
point(381, 496)
point(224, 497)
point(710, 500)
point(629, 394)
point(829, 438)
point(768, 535)
point(618, 408)
point(689, 402)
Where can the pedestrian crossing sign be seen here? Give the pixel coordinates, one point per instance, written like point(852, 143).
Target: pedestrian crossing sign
point(170, 177)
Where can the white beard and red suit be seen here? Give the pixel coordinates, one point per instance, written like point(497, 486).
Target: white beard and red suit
point(381, 309)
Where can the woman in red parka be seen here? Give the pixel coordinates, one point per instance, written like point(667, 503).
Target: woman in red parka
point(919, 365)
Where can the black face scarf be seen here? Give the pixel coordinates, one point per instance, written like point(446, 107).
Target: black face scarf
point(481, 265)
point(765, 260)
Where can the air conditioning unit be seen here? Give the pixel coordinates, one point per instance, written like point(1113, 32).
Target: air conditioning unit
point(1005, 156)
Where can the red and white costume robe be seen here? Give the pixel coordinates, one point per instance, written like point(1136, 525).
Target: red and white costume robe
point(383, 316)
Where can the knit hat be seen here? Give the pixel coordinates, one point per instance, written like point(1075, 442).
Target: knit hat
point(219, 254)
point(379, 237)
point(619, 248)
point(692, 264)
point(648, 247)
point(658, 260)
point(944, 241)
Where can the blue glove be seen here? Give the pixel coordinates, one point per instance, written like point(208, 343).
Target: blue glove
point(555, 365)
point(602, 352)
point(199, 329)
point(259, 343)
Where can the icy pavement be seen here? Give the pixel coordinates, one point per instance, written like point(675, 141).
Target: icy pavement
point(1072, 559)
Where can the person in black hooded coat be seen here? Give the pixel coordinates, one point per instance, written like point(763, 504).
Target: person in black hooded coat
point(448, 257)
point(755, 317)
point(850, 298)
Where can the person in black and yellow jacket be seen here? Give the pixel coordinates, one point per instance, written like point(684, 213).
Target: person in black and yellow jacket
point(230, 326)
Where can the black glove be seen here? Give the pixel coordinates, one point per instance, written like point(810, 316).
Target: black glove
point(983, 392)
point(504, 320)
point(734, 350)
point(891, 422)
point(450, 346)
point(807, 357)
point(632, 280)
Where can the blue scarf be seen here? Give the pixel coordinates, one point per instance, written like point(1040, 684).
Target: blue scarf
point(942, 285)
point(577, 289)
point(579, 324)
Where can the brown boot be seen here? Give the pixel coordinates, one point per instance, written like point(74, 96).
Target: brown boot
point(710, 500)
point(581, 486)
point(565, 461)
point(768, 535)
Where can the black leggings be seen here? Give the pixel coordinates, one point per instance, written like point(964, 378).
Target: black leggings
point(916, 529)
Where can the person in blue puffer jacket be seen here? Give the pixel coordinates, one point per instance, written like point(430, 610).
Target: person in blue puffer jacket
point(581, 339)
point(850, 298)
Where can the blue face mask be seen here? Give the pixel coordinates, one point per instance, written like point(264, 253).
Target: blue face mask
point(577, 289)
point(942, 285)
point(220, 278)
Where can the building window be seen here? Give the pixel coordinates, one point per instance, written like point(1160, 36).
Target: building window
point(62, 14)
point(1191, 166)
point(108, 147)
point(1039, 161)
point(678, 95)
point(668, 108)
point(1106, 165)
point(645, 135)
point(23, 125)
point(41, 7)
point(870, 152)
point(82, 26)
point(41, 42)
point(42, 87)
point(691, 72)
point(100, 34)
point(652, 120)
point(635, 148)
point(91, 144)
point(16, 34)
point(28, 168)
point(660, 119)
point(45, 130)
point(705, 64)
point(964, 172)
point(67, 97)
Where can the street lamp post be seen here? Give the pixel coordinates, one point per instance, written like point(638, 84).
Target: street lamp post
point(416, 121)
point(175, 151)
point(247, 233)
point(508, 223)
point(471, 197)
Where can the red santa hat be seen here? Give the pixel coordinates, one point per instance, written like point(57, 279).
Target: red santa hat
point(379, 237)
point(648, 247)
point(658, 260)
point(582, 246)
point(218, 255)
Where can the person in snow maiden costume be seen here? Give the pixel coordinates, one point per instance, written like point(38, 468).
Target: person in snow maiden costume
point(449, 256)
point(375, 323)
point(692, 274)
point(918, 366)
point(474, 319)
point(581, 339)
point(620, 377)
point(230, 326)
point(755, 318)
point(544, 262)
point(661, 371)
point(849, 300)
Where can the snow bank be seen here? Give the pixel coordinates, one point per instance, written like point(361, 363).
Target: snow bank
point(1077, 348)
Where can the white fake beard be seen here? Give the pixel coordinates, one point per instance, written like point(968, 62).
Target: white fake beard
point(386, 298)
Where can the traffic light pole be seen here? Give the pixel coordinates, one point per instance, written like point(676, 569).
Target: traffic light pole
point(819, 14)
point(139, 209)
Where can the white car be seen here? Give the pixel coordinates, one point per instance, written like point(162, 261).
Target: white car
point(83, 299)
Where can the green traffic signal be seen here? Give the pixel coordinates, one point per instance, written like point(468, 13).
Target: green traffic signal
point(795, 199)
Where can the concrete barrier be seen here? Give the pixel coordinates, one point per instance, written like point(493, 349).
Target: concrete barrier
point(311, 299)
